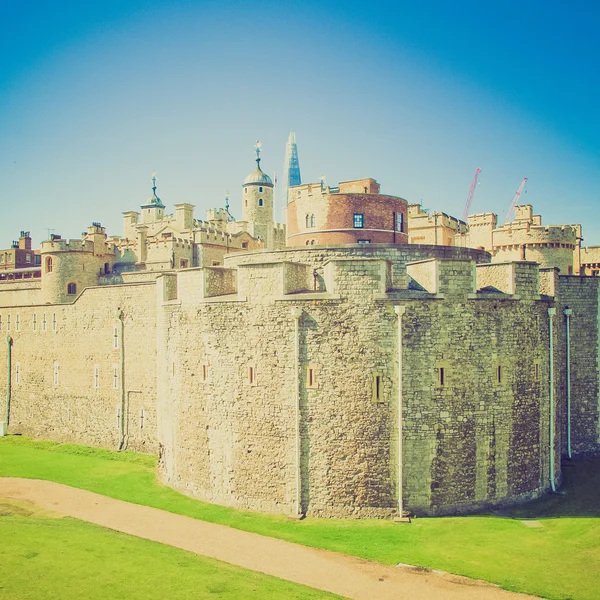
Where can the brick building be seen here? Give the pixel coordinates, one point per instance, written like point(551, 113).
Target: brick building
point(353, 213)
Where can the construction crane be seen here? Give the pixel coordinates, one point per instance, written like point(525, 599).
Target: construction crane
point(515, 201)
point(470, 196)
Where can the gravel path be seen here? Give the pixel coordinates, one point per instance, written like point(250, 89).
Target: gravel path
point(337, 573)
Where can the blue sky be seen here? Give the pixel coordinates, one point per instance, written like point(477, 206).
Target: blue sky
point(95, 96)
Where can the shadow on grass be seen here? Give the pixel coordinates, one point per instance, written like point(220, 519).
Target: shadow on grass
point(579, 495)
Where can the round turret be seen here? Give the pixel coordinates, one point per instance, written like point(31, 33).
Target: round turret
point(257, 203)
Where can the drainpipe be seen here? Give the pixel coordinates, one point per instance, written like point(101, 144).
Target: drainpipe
point(568, 312)
point(297, 313)
point(400, 310)
point(551, 314)
point(4, 425)
point(121, 318)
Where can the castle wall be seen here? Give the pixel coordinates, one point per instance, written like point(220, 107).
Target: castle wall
point(210, 380)
point(470, 441)
point(55, 357)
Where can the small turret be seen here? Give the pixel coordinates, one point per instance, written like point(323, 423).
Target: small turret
point(257, 202)
point(154, 209)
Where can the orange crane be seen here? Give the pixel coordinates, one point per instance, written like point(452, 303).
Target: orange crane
point(515, 201)
point(470, 196)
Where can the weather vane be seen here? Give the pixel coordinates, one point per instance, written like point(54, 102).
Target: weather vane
point(258, 148)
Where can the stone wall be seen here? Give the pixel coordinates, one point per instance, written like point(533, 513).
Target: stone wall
point(210, 379)
point(67, 374)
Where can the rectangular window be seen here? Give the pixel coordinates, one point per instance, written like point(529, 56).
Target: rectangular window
point(17, 323)
point(400, 222)
point(7, 322)
point(96, 376)
point(364, 241)
point(115, 337)
point(53, 321)
point(34, 322)
point(359, 220)
point(44, 322)
point(115, 377)
point(142, 418)
point(18, 373)
point(441, 376)
point(377, 387)
point(251, 375)
point(28, 258)
point(537, 370)
point(118, 415)
point(499, 374)
point(56, 368)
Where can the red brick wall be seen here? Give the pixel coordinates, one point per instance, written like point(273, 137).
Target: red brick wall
point(338, 228)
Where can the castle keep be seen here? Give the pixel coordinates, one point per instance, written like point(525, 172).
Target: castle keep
point(330, 379)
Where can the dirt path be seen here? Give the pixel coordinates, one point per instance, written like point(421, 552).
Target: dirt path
point(344, 575)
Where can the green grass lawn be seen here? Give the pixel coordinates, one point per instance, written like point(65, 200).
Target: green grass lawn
point(66, 559)
point(559, 560)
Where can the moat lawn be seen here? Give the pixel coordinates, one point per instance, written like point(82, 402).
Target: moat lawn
point(67, 559)
point(548, 548)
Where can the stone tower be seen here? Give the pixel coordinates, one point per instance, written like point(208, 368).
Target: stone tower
point(257, 203)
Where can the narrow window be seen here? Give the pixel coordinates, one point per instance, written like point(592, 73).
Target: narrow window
point(313, 221)
point(28, 258)
point(17, 323)
point(1, 323)
point(307, 221)
point(359, 220)
point(365, 190)
point(115, 337)
point(204, 372)
point(499, 374)
point(96, 376)
point(377, 387)
point(56, 369)
point(118, 415)
point(246, 201)
point(49, 264)
point(34, 322)
point(44, 322)
point(251, 376)
point(106, 268)
point(142, 418)
point(8, 322)
point(71, 289)
point(115, 377)
point(260, 201)
point(53, 321)
point(536, 370)
point(18, 373)
point(260, 189)
point(400, 222)
point(442, 376)
point(245, 192)
point(311, 376)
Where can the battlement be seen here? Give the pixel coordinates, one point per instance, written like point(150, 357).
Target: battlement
point(520, 279)
point(60, 245)
point(524, 232)
point(481, 219)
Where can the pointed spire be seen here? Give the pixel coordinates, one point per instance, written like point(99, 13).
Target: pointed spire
point(154, 183)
